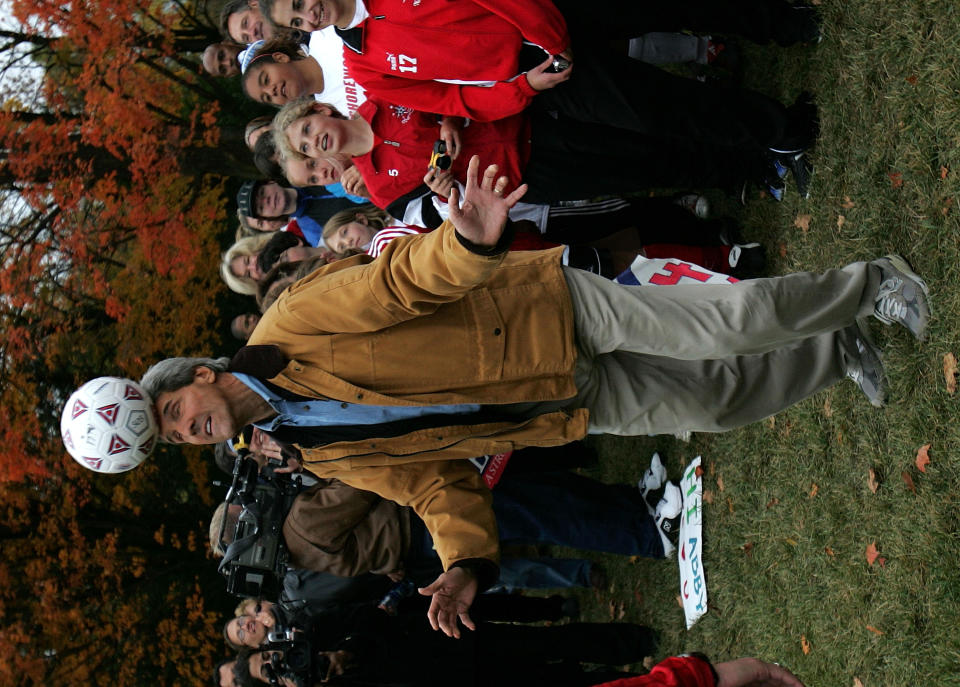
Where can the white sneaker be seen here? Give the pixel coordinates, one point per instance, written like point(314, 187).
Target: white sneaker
point(667, 518)
point(651, 484)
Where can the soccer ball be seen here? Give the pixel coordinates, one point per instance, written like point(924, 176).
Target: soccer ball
point(108, 425)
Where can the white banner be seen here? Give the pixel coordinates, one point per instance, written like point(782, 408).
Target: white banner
point(693, 581)
point(667, 272)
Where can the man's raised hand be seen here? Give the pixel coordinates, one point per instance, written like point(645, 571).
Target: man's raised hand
point(483, 216)
point(452, 592)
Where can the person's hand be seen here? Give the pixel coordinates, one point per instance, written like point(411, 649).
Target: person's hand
point(540, 79)
point(450, 128)
point(483, 216)
point(440, 181)
point(293, 465)
point(352, 182)
point(452, 592)
point(752, 672)
point(340, 662)
point(262, 444)
point(396, 575)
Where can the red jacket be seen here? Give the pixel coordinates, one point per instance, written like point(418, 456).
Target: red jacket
point(404, 138)
point(679, 671)
point(407, 45)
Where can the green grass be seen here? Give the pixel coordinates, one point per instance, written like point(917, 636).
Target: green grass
point(887, 81)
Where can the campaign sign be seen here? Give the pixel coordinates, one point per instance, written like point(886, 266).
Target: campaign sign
point(693, 581)
point(667, 272)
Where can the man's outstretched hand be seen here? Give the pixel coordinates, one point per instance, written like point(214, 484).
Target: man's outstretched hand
point(751, 672)
point(483, 216)
point(453, 592)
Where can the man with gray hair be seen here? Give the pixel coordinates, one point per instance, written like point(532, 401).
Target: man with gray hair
point(384, 373)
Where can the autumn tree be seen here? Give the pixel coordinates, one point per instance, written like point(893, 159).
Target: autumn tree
point(113, 146)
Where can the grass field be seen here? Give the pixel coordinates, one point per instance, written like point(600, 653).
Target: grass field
point(785, 561)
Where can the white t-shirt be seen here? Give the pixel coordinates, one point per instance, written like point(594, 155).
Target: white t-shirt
point(339, 89)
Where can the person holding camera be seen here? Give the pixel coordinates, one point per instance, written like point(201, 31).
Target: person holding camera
point(360, 645)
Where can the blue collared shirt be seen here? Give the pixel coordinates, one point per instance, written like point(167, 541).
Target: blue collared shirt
point(330, 413)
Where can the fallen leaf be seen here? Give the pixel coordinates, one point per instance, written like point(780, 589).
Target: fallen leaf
point(944, 171)
point(782, 249)
point(802, 222)
point(950, 372)
point(908, 480)
point(945, 210)
point(804, 644)
point(847, 204)
point(872, 553)
point(872, 481)
point(856, 682)
point(923, 457)
point(827, 408)
point(711, 468)
point(730, 505)
point(617, 610)
point(633, 560)
point(791, 542)
point(882, 562)
point(649, 662)
point(679, 601)
point(720, 482)
point(912, 79)
point(840, 221)
point(698, 472)
point(896, 179)
point(813, 490)
point(771, 422)
point(707, 496)
point(874, 630)
point(839, 436)
point(747, 548)
point(829, 551)
point(772, 502)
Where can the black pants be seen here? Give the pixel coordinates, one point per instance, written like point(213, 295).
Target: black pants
point(760, 21)
point(572, 159)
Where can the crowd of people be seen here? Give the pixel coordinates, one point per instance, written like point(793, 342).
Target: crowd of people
point(451, 194)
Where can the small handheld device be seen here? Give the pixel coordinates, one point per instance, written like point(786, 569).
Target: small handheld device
point(439, 158)
point(559, 64)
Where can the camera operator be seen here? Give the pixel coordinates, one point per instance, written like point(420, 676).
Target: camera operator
point(361, 646)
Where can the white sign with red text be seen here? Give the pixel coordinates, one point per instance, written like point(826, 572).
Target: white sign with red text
point(667, 272)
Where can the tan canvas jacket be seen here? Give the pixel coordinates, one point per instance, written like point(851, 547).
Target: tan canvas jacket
point(430, 322)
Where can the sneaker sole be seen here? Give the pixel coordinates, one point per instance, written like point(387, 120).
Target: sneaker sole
point(900, 263)
point(865, 334)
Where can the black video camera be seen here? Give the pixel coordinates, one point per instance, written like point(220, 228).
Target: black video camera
point(294, 660)
point(255, 558)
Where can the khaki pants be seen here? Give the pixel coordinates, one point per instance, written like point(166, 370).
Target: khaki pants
point(708, 358)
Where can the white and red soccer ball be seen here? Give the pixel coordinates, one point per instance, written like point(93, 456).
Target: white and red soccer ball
point(108, 425)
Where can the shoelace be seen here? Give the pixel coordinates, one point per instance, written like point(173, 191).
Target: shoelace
point(890, 305)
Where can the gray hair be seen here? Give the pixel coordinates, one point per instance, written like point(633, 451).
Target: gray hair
point(175, 373)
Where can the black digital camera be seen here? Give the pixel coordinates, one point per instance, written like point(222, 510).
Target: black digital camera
point(559, 64)
point(439, 158)
point(255, 558)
